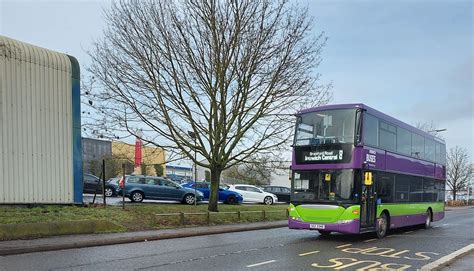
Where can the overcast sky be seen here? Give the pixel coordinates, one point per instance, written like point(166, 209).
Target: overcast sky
point(409, 59)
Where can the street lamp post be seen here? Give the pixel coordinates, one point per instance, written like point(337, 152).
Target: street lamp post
point(193, 136)
point(437, 130)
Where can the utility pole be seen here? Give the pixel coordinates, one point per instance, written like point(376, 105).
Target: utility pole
point(193, 136)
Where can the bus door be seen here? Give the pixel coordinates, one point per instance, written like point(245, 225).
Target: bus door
point(368, 205)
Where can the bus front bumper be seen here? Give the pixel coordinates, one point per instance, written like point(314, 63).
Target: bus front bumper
point(350, 227)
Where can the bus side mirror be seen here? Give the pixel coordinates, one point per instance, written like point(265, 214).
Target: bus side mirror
point(368, 178)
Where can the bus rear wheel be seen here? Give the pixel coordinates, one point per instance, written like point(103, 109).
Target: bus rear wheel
point(381, 226)
point(427, 224)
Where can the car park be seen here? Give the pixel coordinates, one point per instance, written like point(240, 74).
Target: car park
point(282, 192)
point(93, 185)
point(139, 187)
point(252, 193)
point(225, 195)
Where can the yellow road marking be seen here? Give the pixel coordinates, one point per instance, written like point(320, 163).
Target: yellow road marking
point(308, 253)
point(341, 246)
point(370, 240)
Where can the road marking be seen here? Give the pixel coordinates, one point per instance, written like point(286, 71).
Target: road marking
point(370, 240)
point(308, 253)
point(390, 236)
point(262, 263)
point(341, 246)
point(408, 232)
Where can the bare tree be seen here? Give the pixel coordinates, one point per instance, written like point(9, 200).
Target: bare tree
point(256, 171)
point(220, 78)
point(430, 128)
point(459, 170)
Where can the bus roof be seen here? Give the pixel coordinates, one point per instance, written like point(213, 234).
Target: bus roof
point(375, 113)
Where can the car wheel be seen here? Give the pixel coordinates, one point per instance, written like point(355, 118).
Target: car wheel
point(324, 233)
point(231, 200)
point(427, 224)
point(109, 192)
point(189, 199)
point(381, 226)
point(137, 196)
point(268, 200)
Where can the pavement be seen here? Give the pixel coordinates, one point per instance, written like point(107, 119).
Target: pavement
point(91, 240)
point(466, 262)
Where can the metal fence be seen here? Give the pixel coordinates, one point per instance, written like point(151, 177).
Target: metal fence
point(208, 218)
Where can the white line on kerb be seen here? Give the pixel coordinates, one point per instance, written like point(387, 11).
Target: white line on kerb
point(443, 261)
point(308, 253)
point(257, 264)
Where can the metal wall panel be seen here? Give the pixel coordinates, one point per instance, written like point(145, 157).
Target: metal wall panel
point(36, 162)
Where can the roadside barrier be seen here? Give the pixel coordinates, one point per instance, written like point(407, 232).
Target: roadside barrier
point(209, 217)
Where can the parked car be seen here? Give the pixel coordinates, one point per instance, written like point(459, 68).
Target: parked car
point(283, 193)
point(138, 188)
point(93, 185)
point(254, 194)
point(225, 195)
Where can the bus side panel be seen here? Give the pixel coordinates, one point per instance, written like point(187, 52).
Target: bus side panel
point(402, 215)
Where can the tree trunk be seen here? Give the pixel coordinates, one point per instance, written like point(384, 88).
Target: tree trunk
point(214, 195)
point(454, 194)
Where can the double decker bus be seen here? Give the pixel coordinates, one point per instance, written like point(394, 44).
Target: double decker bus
point(357, 170)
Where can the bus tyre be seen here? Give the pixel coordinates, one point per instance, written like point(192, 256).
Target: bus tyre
point(381, 226)
point(324, 233)
point(427, 224)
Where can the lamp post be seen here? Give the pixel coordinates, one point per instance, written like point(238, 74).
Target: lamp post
point(437, 130)
point(193, 136)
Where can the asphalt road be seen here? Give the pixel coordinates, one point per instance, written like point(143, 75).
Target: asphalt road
point(276, 249)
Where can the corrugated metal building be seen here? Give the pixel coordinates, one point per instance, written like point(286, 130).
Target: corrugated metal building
point(40, 125)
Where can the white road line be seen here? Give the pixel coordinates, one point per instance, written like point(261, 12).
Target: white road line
point(257, 264)
point(370, 240)
point(308, 253)
point(341, 246)
point(408, 232)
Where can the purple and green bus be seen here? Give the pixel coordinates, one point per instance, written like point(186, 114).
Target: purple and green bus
point(357, 170)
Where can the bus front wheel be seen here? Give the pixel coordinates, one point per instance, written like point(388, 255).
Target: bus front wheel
point(382, 226)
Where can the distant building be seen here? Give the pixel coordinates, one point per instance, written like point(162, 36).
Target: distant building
point(94, 150)
point(179, 173)
point(151, 156)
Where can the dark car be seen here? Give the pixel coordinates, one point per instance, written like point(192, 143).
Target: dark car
point(93, 185)
point(226, 196)
point(283, 193)
point(138, 188)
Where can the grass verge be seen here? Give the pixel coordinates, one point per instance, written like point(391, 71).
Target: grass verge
point(142, 216)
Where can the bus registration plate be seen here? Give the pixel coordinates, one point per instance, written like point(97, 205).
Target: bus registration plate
point(317, 226)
